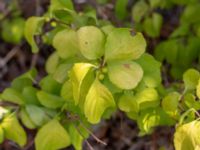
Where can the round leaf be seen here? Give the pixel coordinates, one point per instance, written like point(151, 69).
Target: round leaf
point(52, 136)
point(121, 45)
point(65, 43)
point(91, 42)
point(125, 75)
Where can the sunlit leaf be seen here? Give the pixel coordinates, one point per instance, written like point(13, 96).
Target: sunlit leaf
point(97, 101)
point(52, 136)
point(91, 48)
point(65, 42)
point(1, 135)
point(122, 45)
point(77, 75)
point(148, 98)
point(187, 136)
point(13, 130)
point(170, 102)
point(125, 75)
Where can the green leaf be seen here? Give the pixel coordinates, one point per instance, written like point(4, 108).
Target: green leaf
point(20, 83)
point(148, 119)
point(37, 114)
point(155, 3)
point(65, 43)
point(148, 98)
point(1, 135)
point(191, 102)
point(125, 75)
point(61, 72)
point(91, 48)
point(181, 31)
point(77, 75)
point(170, 102)
point(66, 91)
point(139, 10)
point(52, 136)
point(121, 9)
point(190, 78)
point(52, 63)
point(187, 136)
point(13, 96)
point(12, 30)
point(49, 100)
point(31, 74)
point(60, 4)
point(198, 89)
point(128, 103)
point(76, 138)
point(29, 94)
point(190, 14)
point(151, 68)
point(50, 85)
point(32, 28)
point(27, 122)
point(13, 130)
point(121, 45)
point(162, 51)
point(152, 117)
point(152, 26)
point(97, 101)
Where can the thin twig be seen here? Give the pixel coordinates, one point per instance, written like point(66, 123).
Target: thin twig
point(94, 136)
point(34, 60)
point(29, 145)
point(87, 142)
point(11, 54)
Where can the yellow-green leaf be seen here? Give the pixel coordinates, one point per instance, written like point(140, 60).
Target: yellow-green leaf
point(65, 42)
point(125, 75)
point(33, 27)
point(13, 130)
point(77, 75)
point(122, 45)
point(128, 103)
point(1, 134)
point(198, 89)
point(187, 136)
point(91, 42)
point(190, 78)
point(52, 136)
point(98, 99)
point(49, 100)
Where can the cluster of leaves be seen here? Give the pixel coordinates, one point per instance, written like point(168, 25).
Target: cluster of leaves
point(12, 23)
point(96, 69)
point(181, 48)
